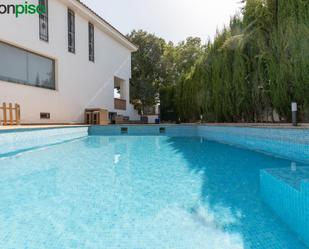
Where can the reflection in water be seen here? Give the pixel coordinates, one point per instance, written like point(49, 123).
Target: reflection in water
point(116, 158)
point(293, 166)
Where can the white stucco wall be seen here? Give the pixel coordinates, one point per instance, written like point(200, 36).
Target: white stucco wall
point(80, 83)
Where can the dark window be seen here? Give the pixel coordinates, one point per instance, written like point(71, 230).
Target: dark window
point(71, 31)
point(43, 21)
point(91, 41)
point(23, 67)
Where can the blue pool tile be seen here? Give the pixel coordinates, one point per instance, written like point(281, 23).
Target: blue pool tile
point(285, 191)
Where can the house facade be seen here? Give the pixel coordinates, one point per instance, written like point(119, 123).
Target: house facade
point(62, 61)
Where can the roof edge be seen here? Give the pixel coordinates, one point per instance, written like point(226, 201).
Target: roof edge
point(107, 27)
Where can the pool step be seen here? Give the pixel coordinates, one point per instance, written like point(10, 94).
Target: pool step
point(286, 192)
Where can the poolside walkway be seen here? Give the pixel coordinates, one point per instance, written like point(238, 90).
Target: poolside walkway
point(256, 125)
point(14, 127)
point(263, 125)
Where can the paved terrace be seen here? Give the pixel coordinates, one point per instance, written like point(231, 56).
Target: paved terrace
point(21, 127)
point(255, 125)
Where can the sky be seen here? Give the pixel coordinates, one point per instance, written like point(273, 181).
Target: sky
point(173, 20)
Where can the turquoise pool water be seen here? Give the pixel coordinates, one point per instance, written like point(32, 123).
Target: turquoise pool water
point(138, 192)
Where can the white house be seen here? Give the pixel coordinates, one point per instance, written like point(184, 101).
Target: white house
point(62, 61)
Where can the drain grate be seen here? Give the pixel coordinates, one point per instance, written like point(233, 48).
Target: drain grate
point(162, 130)
point(124, 130)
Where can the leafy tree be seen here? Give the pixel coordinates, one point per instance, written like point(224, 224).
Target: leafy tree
point(178, 60)
point(147, 68)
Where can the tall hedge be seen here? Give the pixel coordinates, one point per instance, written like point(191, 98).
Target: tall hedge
point(253, 69)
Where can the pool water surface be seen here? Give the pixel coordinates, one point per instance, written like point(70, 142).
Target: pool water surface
point(138, 192)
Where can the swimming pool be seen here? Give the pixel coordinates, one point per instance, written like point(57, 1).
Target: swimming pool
point(175, 189)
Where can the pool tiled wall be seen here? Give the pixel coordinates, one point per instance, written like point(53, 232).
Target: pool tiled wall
point(145, 130)
point(286, 192)
point(20, 140)
point(292, 144)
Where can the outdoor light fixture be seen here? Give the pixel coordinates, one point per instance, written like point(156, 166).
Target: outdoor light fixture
point(294, 113)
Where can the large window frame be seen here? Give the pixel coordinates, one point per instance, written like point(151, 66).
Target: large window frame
point(71, 31)
point(91, 41)
point(30, 57)
point(43, 22)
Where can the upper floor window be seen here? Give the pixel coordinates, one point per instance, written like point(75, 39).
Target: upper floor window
point(43, 21)
point(91, 41)
point(23, 67)
point(71, 31)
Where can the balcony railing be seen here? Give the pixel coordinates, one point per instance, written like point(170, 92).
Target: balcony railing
point(120, 104)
